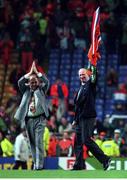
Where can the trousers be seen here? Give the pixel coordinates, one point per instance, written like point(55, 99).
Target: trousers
point(84, 131)
point(35, 130)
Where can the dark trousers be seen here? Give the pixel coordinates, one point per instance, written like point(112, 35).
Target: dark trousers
point(22, 164)
point(84, 130)
point(78, 151)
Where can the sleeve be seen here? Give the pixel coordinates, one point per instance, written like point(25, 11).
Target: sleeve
point(93, 69)
point(94, 74)
point(21, 84)
point(6, 148)
point(18, 146)
point(44, 80)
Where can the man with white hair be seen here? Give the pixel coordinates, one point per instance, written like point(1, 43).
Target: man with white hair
point(84, 120)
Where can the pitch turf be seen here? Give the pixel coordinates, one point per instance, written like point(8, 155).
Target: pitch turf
point(62, 174)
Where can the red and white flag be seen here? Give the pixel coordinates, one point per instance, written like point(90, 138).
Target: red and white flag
point(93, 54)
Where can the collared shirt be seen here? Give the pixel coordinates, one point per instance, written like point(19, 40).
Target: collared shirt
point(34, 104)
point(83, 83)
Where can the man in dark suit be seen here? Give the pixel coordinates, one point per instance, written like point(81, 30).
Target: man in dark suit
point(84, 120)
point(33, 111)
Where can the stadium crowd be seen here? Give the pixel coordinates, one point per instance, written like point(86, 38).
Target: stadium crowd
point(32, 29)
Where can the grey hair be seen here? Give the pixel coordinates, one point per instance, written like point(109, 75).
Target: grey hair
point(86, 75)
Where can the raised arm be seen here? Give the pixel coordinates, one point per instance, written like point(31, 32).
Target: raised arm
point(42, 77)
point(94, 74)
point(93, 69)
point(23, 80)
point(21, 84)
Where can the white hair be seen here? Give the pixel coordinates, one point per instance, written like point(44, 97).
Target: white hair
point(85, 71)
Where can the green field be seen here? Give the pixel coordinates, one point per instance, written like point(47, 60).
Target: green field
point(62, 174)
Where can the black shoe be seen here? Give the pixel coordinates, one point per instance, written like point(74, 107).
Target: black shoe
point(77, 169)
point(106, 164)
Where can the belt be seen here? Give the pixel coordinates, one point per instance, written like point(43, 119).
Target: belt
point(34, 117)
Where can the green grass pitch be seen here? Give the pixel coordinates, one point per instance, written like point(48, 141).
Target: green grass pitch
point(63, 174)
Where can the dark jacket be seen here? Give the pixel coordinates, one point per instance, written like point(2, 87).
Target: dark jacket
point(85, 103)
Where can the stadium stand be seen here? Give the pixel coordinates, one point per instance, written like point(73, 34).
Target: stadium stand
point(65, 63)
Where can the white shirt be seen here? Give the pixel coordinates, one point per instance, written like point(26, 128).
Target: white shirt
point(21, 148)
point(39, 109)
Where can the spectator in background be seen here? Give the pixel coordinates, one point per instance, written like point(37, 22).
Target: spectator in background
point(90, 6)
point(106, 122)
point(46, 139)
point(52, 37)
point(43, 25)
point(70, 111)
point(118, 139)
point(120, 95)
point(119, 109)
point(59, 15)
point(64, 125)
point(7, 146)
point(110, 148)
point(52, 145)
point(120, 124)
point(15, 75)
point(13, 130)
point(112, 77)
point(11, 106)
point(99, 138)
point(52, 124)
point(59, 97)
point(6, 46)
point(3, 125)
point(4, 115)
point(21, 150)
point(64, 147)
point(66, 35)
point(25, 47)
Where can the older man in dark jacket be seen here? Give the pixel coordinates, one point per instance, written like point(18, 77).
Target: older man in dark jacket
point(84, 120)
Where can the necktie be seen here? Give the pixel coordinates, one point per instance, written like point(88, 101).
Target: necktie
point(32, 103)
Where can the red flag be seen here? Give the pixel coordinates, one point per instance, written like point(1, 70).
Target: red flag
point(93, 53)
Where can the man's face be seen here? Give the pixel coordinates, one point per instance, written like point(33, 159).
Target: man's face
point(34, 83)
point(82, 75)
point(116, 135)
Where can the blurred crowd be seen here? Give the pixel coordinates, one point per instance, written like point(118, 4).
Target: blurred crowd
point(24, 25)
point(33, 28)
